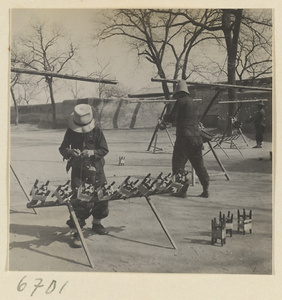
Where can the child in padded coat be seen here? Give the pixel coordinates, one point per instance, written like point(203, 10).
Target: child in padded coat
point(84, 146)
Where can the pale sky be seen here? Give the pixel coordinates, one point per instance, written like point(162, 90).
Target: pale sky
point(78, 23)
point(122, 63)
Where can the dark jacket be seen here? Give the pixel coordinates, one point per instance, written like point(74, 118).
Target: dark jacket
point(184, 113)
point(93, 140)
point(259, 118)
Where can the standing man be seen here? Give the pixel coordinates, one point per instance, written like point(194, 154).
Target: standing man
point(259, 122)
point(188, 144)
point(84, 146)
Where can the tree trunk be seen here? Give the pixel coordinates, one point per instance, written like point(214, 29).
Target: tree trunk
point(232, 93)
point(165, 87)
point(16, 107)
point(231, 32)
point(50, 85)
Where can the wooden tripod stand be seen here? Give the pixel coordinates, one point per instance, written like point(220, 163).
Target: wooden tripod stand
point(238, 129)
point(155, 135)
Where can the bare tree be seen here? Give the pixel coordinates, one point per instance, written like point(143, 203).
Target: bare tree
point(15, 78)
point(254, 58)
point(157, 35)
point(46, 48)
point(14, 81)
point(75, 89)
point(254, 52)
point(101, 73)
point(230, 22)
point(227, 21)
point(24, 83)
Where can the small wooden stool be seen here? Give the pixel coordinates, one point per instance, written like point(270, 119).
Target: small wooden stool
point(218, 231)
point(245, 221)
point(228, 222)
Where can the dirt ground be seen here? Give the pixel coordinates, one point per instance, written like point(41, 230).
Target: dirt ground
point(136, 242)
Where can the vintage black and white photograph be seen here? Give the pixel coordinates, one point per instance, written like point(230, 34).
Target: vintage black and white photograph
point(141, 140)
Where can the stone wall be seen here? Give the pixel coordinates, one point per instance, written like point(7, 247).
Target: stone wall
point(124, 114)
point(109, 114)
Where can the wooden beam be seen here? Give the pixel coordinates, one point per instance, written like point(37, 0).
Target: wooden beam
point(242, 101)
point(210, 105)
point(137, 100)
point(220, 85)
point(148, 95)
point(63, 76)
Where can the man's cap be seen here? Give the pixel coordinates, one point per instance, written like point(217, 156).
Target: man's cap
point(81, 120)
point(181, 86)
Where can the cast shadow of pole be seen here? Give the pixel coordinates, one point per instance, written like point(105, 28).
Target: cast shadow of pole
point(138, 242)
point(43, 236)
point(118, 229)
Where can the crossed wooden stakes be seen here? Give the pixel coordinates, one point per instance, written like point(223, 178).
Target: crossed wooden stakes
point(130, 188)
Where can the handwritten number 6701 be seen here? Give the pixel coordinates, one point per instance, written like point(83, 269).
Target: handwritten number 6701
point(39, 284)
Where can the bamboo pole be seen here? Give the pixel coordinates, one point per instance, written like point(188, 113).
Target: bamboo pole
point(242, 101)
point(148, 95)
point(210, 105)
point(222, 85)
point(148, 101)
point(63, 76)
point(156, 129)
point(21, 186)
point(86, 250)
point(160, 221)
point(218, 161)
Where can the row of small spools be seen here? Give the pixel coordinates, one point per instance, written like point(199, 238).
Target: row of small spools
point(225, 225)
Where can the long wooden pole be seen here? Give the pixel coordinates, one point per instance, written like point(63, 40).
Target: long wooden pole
point(63, 76)
point(156, 129)
point(210, 105)
point(148, 95)
point(137, 100)
point(80, 234)
point(218, 161)
point(21, 186)
point(214, 84)
point(160, 221)
point(242, 101)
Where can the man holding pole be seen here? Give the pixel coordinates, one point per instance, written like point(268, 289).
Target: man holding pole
point(188, 144)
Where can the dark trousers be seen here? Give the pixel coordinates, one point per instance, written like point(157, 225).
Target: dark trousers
point(184, 151)
point(259, 133)
point(84, 209)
